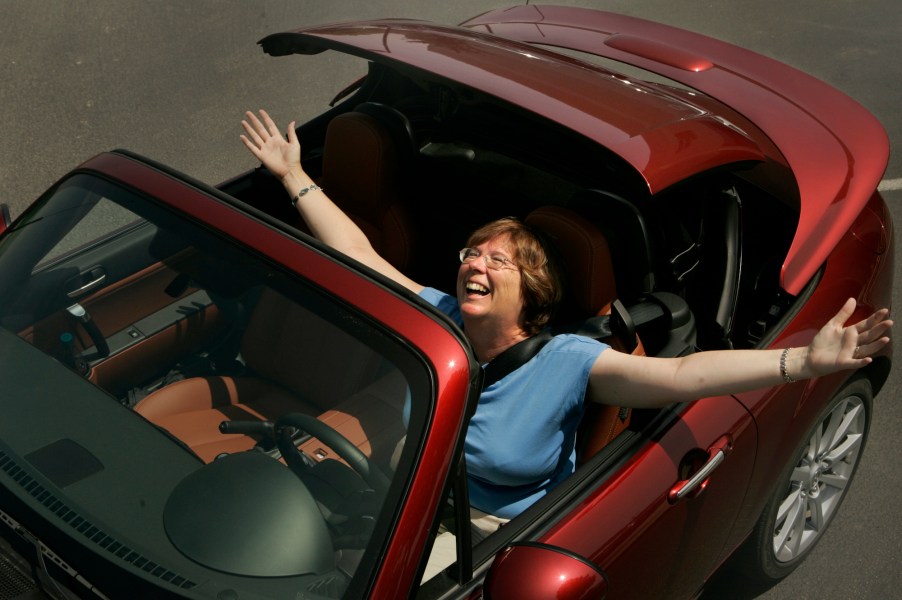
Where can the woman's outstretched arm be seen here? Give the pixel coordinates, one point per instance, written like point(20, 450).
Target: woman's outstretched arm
point(646, 382)
point(282, 156)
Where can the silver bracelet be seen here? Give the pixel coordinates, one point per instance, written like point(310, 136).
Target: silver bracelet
point(309, 188)
point(786, 376)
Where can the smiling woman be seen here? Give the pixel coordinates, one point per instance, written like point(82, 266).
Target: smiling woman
point(507, 298)
point(541, 284)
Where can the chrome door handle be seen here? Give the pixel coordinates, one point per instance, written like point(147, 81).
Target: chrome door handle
point(696, 484)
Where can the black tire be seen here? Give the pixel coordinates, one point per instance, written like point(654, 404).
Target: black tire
point(811, 488)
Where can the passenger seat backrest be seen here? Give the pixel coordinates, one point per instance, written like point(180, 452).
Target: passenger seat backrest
point(362, 174)
point(285, 343)
point(586, 258)
point(623, 225)
point(592, 287)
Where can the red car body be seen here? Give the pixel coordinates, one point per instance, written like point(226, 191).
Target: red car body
point(807, 154)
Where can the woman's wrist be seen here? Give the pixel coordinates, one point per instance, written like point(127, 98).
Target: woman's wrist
point(794, 365)
point(295, 179)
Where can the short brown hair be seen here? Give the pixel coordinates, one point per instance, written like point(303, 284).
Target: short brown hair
point(542, 281)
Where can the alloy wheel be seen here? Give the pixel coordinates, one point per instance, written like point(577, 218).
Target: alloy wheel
point(820, 479)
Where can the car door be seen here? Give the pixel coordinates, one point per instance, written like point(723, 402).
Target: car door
point(649, 541)
point(647, 517)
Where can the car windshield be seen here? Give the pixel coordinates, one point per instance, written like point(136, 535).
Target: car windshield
point(128, 335)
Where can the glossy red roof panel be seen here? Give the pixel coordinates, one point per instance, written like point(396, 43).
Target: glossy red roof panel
point(663, 137)
point(836, 149)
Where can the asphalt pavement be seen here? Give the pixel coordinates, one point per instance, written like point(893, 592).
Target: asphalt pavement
point(171, 80)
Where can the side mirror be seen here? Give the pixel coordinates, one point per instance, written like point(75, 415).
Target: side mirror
point(5, 219)
point(533, 571)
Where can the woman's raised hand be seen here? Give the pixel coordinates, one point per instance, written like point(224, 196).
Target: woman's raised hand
point(838, 347)
point(278, 154)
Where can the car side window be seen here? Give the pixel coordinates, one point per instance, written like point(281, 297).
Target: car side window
point(104, 220)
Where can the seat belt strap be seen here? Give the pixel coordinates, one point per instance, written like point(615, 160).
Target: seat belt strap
point(618, 323)
point(514, 357)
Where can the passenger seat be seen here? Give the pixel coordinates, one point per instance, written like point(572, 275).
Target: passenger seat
point(365, 153)
point(592, 289)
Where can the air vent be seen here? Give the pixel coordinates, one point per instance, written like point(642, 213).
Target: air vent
point(85, 528)
point(13, 582)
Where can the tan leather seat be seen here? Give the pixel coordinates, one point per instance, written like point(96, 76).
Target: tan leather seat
point(362, 174)
point(298, 363)
point(591, 287)
point(192, 409)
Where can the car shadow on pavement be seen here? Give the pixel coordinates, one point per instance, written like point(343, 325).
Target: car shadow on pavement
point(729, 583)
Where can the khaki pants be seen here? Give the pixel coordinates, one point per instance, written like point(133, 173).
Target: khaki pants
point(444, 550)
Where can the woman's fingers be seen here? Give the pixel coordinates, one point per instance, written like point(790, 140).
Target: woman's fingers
point(877, 321)
point(874, 328)
point(255, 122)
point(869, 329)
point(261, 131)
point(871, 347)
point(849, 346)
point(840, 318)
point(271, 127)
point(253, 128)
point(252, 134)
point(870, 334)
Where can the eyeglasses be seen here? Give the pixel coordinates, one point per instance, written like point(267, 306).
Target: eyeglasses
point(492, 261)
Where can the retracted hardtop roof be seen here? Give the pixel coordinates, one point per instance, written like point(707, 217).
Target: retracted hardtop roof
point(665, 138)
point(836, 149)
point(820, 132)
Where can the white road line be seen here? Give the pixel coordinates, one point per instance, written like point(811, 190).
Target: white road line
point(889, 185)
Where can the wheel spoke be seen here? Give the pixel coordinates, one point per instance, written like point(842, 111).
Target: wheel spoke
point(797, 522)
point(817, 516)
point(787, 530)
point(832, 426)
point(814, 446)
point(786, 506)
point(846, 424)
point(847, 449)
point(835, 480)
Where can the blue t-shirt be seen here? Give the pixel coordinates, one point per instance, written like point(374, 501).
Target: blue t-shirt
point(521, 440)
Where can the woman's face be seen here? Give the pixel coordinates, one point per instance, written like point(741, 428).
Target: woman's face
point(486, 293)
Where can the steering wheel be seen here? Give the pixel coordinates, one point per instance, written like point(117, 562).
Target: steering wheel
point(357, 460)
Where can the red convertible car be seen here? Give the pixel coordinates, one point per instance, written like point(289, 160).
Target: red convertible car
point(200, 400)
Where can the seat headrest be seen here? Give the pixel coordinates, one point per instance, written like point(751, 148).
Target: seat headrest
point(361, 174)
point(360, 165)
point(585, 257)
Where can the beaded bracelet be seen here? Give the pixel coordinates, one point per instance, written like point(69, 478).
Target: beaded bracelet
point(786, 376)
point(309, 188)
